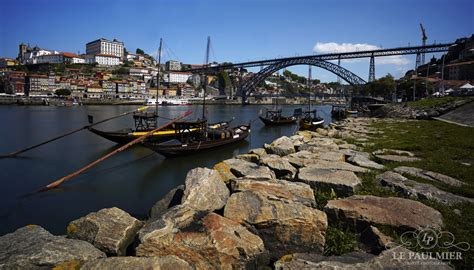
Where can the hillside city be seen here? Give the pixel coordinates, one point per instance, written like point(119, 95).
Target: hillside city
point(108, 71)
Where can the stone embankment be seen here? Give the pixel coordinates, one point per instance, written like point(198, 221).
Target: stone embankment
point(257, 209)
point(410, 112)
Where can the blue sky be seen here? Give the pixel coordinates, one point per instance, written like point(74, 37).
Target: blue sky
point(240, 30)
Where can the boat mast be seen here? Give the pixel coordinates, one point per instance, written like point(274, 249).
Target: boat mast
point(158, 77)
point(205, 78)
point(309, 87)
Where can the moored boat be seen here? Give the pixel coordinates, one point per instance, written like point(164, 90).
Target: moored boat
point(186, 143)
point(311, 121)
point(274, 118)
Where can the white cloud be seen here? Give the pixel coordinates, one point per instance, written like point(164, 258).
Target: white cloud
point(333, 47)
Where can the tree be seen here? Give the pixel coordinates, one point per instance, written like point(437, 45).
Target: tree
point(139, 51)
point(63, 92)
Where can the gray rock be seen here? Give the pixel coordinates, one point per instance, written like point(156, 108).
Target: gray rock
point(32, 247)
point(393, 152)
point(171, 199)
point(429, 175)
point(282, 146)
point(364, 161)
point(359, 212)
point(396, 258)
point(111, 230)
point(395, 158)
point(242, 168)
point(249, 157)
point(159, 263)
point(293, 191)
point(344, 166)
point(413, 189)
point(282, 168)
point(344, 183)
point(258, 151)
point(205, 190)
point(285, 226)
point(301, 158)
point(332, 156)
point(204, 240)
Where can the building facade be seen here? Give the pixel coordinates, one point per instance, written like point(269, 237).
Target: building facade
point(104, 46)
point(103, 59)
point(177, 77)
point(173, 65)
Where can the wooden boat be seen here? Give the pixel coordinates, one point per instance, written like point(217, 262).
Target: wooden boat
point(338, 111)
point(187, 143)
point(274, 118)
point(145, 122)
point(310, 121)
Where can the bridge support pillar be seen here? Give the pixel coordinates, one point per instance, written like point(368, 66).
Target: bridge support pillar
point(339, 64)
point(372, 69)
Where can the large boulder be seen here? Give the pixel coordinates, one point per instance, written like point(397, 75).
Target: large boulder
point(204, 240)
point(249, 157)
point(114, 263)
point(429, 175)
point(344, 183)
point(296, 192)
point(332, 156)
point(397, 158)
point(172, 198)
point(413, 189)
point(111, 230)
point(242, 168)
point(285, 226)
point(282, 146)
point(374, 241)
point(301, 158)
point(396, 258)
point(358, 212)
point(32, 247)
point(364, 161)
point(332, 165)
point(205, 190)
point(224, 170)
point(282, 168)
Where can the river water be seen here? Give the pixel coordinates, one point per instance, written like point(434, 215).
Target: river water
point(132, 180)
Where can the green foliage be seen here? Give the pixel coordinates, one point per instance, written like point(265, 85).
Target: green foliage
point(294, 77)
point(63, 92)
point(139, 51)
point(339, 241)
point(322, 197)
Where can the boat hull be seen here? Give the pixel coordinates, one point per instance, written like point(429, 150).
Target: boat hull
point(128, 135)
point(179, 149)
point(311, 125)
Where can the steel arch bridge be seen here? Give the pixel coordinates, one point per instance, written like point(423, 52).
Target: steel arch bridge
point(249, 85)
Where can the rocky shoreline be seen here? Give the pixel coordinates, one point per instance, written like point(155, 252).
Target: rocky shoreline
point(259, 210)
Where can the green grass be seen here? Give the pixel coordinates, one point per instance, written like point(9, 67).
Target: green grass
point(442, 147)
point(339, 241)
point(434, 102)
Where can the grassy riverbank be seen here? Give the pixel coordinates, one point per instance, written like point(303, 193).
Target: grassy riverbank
point(443, 148)
point(436, 102)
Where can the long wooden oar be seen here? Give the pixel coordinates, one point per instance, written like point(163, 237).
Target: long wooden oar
point(13, 154)
point(90, 165)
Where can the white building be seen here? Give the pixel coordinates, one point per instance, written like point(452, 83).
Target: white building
point(178, 77)
point(139, 72)
point(173, 65)
point(103, 59)
point(104, 46)
point(60, 58)
point(32, 54)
